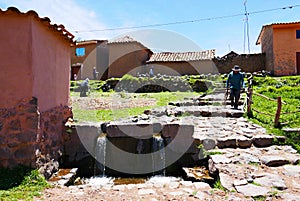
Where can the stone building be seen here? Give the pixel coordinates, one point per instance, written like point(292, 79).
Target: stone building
point(280, 42)
point(35, 72)
point(86, 55)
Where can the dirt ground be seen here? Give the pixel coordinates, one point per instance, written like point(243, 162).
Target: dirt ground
point(90, 103)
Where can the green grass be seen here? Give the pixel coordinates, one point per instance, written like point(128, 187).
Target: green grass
point(21, 183)
point(260, 198)
point(162, 99)
point(289, 90)
point(218, 185)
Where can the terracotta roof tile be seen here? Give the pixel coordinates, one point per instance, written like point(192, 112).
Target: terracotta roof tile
point(182, 56)
point(60, 29)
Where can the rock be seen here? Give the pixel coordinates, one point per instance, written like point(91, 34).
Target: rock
point(226, 181)
point(240, 182)
point(144, 117)
point(248, 158)
point(220, 158)
point(243, 142)
point(226, 142)
point(212, 167)
point(271, 180)
point(174, 185)
point(252, 190)
point(291, 170)
point(262, 140)
point(200, 195)
point(123, 129)
point(118, 187)
point(146, 192)
point(273, 161)
point(290, 197)
point(202, 185)
point(186, 183)
point(176, 193)
point(209, 144)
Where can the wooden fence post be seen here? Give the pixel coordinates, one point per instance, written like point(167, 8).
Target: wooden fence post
point(249, 101)
point(277, 115)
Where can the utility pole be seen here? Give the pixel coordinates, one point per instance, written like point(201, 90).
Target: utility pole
point(246, 29)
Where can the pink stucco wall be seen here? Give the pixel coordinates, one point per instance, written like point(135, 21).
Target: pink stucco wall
point(51, 68)
point(34, 62)
point(285, 47)
point(15, 59)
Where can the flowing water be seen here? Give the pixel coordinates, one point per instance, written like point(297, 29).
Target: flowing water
point(100, 153)
point(158, 155)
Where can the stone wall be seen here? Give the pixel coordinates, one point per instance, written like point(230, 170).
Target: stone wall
point(248, 62)
point(18, 132)
point(27, 135)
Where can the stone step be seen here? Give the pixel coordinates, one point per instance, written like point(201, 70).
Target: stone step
point(235, 141)
point(208, 111)
point(203, 102)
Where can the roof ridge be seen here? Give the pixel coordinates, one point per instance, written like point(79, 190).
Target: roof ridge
point(45, 20)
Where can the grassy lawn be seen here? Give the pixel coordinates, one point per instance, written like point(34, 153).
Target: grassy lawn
point(289, 90)
point(162, 99)
point(21, 183)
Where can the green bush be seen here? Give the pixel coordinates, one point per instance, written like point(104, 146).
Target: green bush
point(21, 183)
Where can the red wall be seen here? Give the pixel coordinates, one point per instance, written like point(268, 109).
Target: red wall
point(15, 59)
point(34, 62)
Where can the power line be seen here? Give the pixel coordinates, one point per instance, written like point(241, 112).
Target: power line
point(189, 21)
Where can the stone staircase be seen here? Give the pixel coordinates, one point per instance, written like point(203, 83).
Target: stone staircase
point(241, 154)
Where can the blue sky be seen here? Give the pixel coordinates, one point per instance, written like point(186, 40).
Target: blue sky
point(221, 34)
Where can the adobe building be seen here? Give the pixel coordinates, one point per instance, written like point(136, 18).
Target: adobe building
point(35, 73)
point(127, 56)
point(280, 42)
point(183, 63)
point(86, 55)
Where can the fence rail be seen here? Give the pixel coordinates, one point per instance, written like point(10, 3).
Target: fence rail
point(279, 101)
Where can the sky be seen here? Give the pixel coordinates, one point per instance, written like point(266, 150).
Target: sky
point(98, 19)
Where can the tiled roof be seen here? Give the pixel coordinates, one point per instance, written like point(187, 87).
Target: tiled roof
point(258, 41)
point(60, 29)
point(182, 56)
point(88, 42)
point(127, 39)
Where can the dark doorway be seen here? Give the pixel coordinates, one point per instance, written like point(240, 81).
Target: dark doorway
point(298, 62)
point(75, 71)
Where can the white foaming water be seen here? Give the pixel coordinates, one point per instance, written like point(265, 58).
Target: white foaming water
point(100, 181)
point(158, 179)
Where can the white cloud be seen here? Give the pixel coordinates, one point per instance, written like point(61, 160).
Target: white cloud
point(67, 12)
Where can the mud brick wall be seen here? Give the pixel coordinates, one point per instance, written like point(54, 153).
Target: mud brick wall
point(248, 63)
point(24, 132)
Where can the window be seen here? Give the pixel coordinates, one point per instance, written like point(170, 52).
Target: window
point(297, 34)
point(80, 52)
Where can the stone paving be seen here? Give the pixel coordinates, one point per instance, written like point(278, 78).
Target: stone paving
point(241, 154)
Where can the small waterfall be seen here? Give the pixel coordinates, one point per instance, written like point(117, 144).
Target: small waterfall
point(158, 155)
point(140, 146)
point(100, 153)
